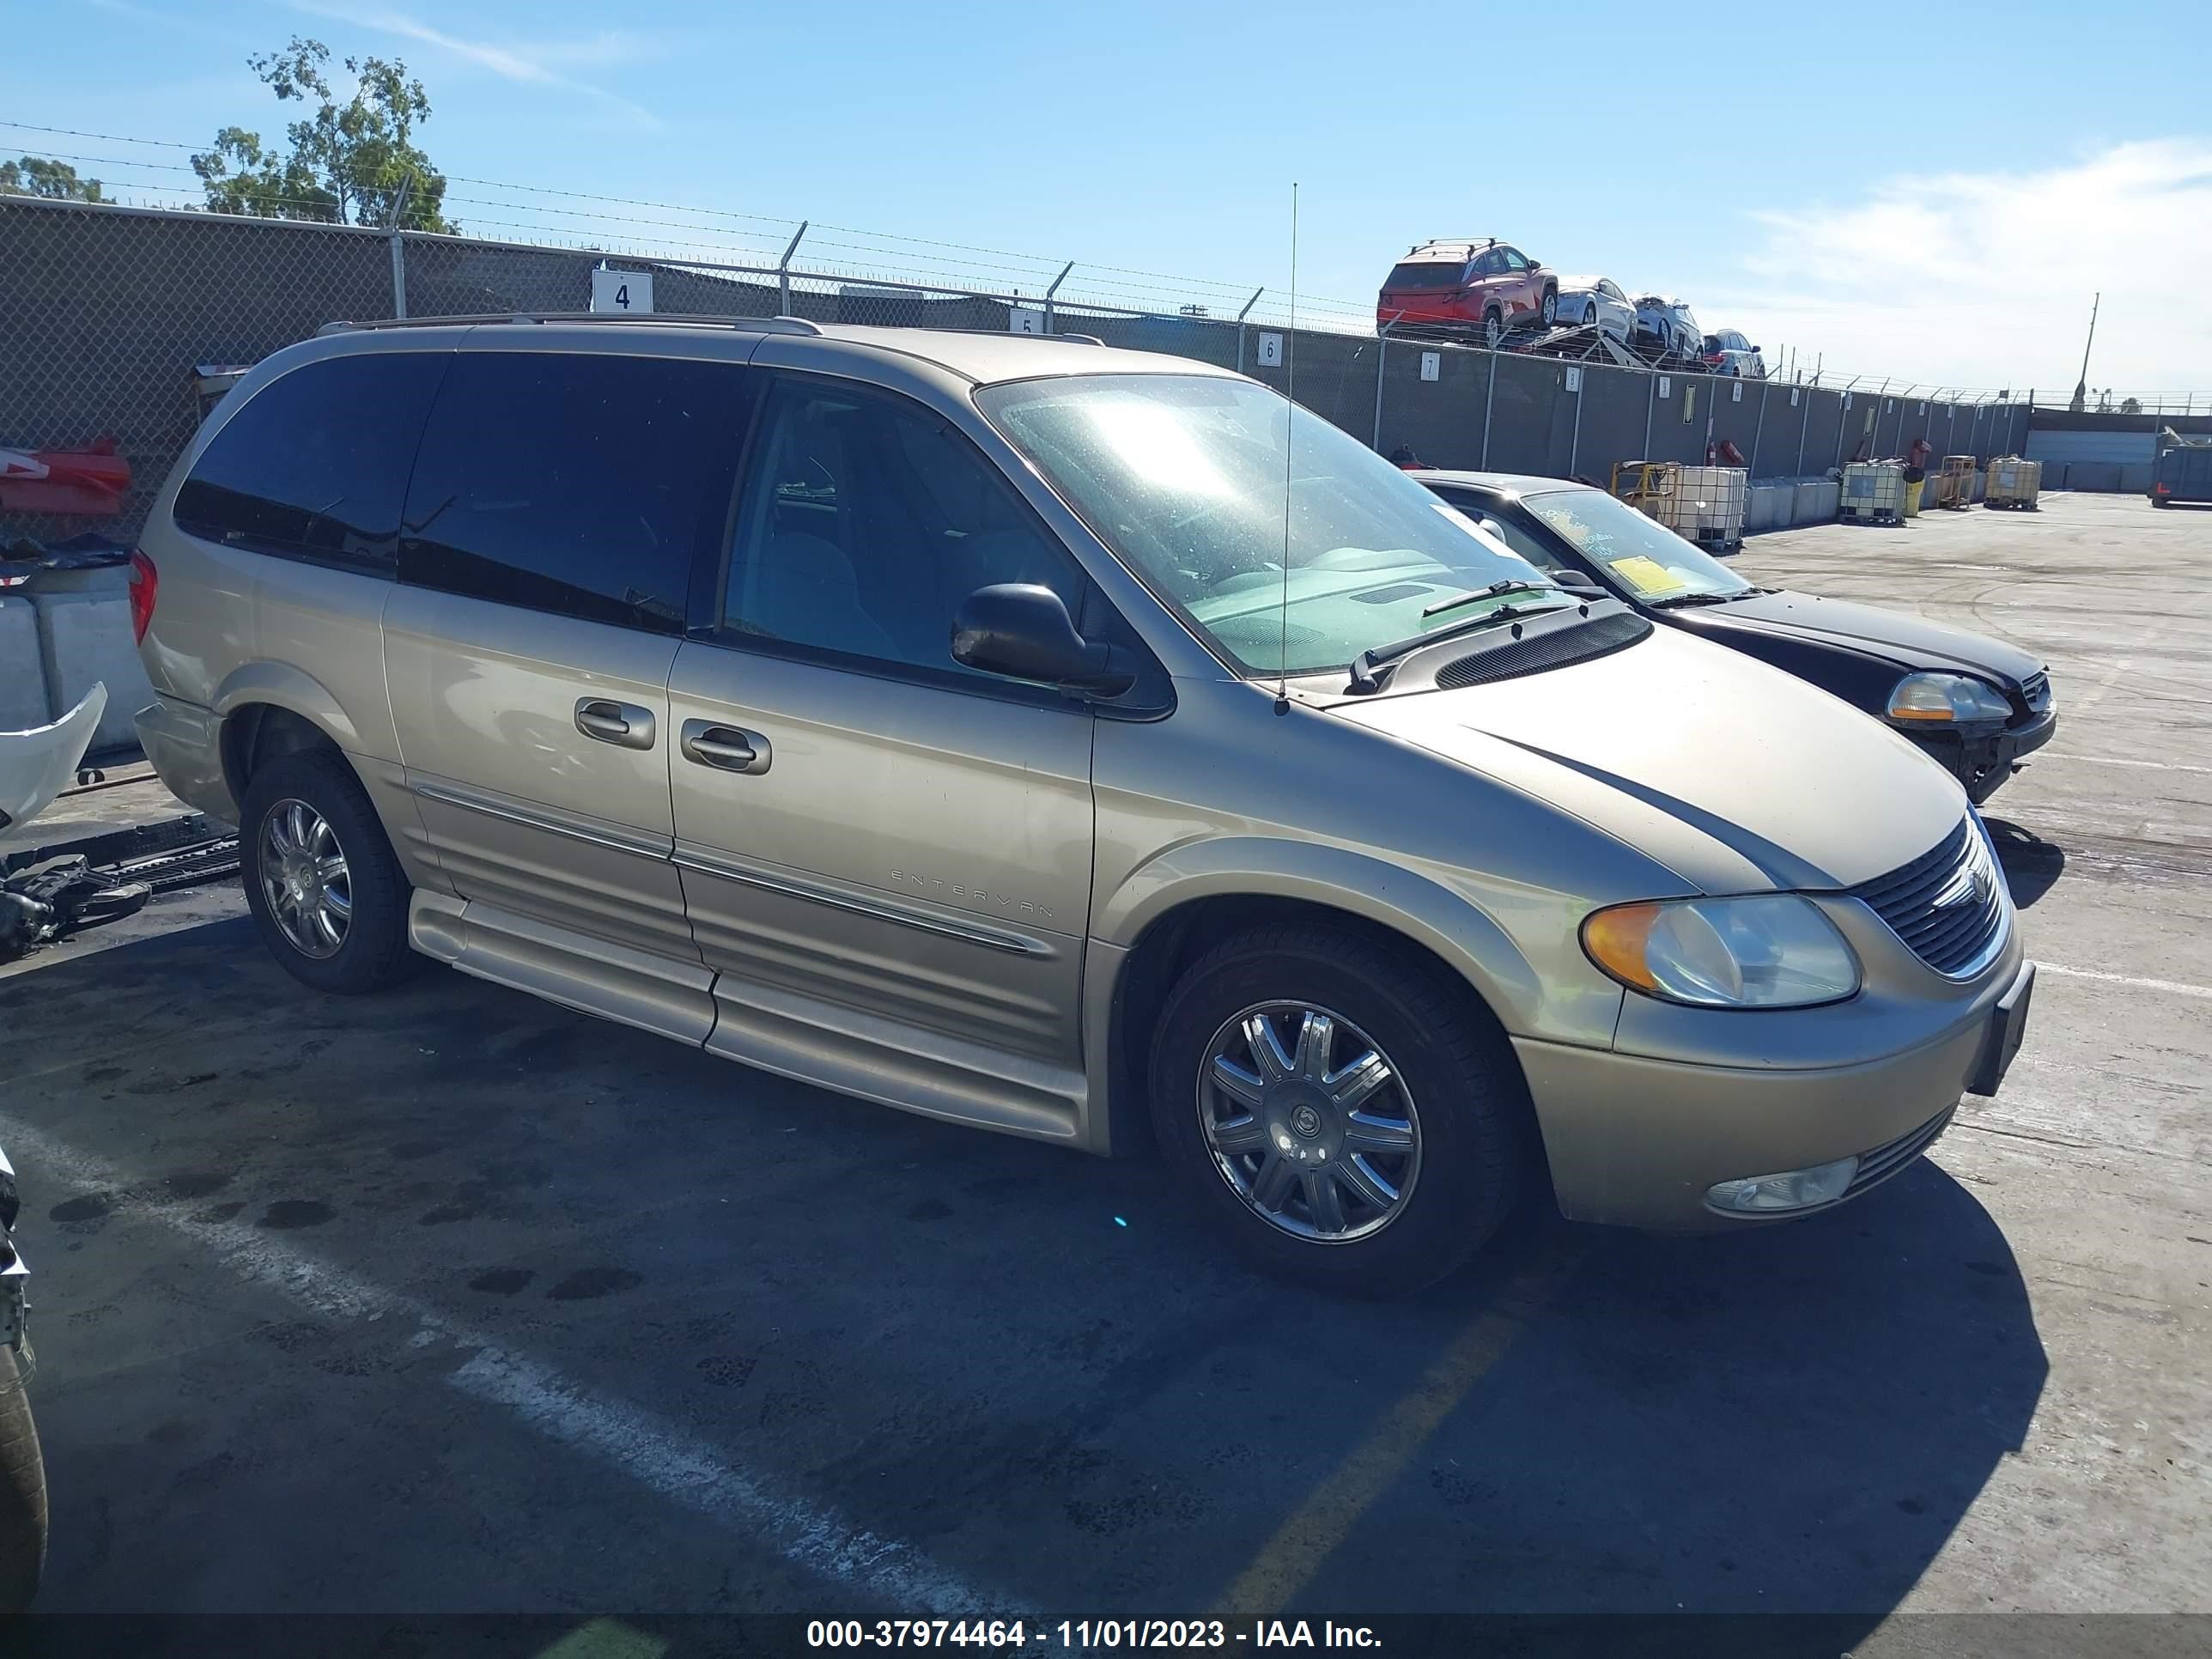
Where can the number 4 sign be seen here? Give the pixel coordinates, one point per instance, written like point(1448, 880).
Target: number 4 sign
point(622, 291)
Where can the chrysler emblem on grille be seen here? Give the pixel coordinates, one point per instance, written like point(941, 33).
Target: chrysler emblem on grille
point(1965, 888)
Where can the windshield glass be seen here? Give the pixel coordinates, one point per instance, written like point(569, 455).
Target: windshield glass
point(1184, 478)
point(1647, 559)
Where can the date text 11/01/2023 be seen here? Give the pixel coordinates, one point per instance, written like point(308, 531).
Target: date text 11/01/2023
point(1085, 1635)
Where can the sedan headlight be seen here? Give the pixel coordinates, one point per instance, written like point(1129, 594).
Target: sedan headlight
point(1946, 697)
point(1770, 950)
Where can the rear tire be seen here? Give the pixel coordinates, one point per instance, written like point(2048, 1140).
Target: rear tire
point(1441, 1135)
point(323, 883)
point(1493, 330)
point(23, 1492)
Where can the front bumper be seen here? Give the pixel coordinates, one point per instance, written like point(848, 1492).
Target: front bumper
point(1638, 1142)
point(1974, 754)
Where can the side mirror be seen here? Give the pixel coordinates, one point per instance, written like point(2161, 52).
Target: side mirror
point(1023, 631)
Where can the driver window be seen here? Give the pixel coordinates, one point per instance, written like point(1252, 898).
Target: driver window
point(865, 518)
point(1521, 542)
point(1514, 261)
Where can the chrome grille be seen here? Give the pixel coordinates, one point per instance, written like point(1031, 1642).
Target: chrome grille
point(2036, 689)
point(1949, 905)
point(1885, 1160)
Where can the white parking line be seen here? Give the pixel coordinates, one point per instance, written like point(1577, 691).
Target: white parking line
point(657, 1455)
point(2115, 760)
point(2173, 988)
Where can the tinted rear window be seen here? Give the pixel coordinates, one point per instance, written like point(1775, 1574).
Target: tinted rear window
point(1426, 274)
point(574, 482)
point(315, 466)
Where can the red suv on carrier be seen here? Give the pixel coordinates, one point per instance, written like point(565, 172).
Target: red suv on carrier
point(1482, 285)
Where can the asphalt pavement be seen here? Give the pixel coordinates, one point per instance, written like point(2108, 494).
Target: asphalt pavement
point(450, 1300)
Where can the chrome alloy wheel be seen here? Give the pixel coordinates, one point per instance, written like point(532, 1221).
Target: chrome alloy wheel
point(1309, 1121)
point(305, 880)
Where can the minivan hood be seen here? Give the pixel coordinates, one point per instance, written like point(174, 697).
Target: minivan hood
point(1734, 776)
point(1907, 640)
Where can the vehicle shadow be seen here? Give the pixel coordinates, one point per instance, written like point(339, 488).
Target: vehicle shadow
point(2031, 864)
point(1035, 1370)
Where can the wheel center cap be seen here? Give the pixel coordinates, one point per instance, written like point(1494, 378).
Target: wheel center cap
point(1305, 1121)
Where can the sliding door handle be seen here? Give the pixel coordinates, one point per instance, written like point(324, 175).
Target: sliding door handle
point(725, 747)
point(623, 724)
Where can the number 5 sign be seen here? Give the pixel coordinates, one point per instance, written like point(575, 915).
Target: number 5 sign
point(622, 291)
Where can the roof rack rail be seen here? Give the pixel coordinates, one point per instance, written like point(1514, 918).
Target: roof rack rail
point(1009, 334)
point(747, 324)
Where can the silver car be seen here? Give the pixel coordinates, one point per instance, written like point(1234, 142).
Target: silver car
point(1599, 301)
point(1082, 743)
point(1668, 330)
point(1728, 352)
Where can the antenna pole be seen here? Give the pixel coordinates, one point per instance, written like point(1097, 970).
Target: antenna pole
point(1290, 427)
point(2081, 386)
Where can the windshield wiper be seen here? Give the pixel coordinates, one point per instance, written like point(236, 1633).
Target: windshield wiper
point(1371, 667)
point(1509, 585)
point(1673, 599)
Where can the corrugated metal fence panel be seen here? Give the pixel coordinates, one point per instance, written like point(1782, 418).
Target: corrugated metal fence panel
point(2103, 448)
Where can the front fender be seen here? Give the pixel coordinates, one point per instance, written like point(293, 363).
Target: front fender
point(1445, 920)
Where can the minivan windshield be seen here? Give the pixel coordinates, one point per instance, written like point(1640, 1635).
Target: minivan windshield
point(1647, 559)
point(1201, 483)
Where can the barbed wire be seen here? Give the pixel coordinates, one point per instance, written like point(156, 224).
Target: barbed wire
point(613, 225)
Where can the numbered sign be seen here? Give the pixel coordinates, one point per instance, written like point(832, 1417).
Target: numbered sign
point(1666, 386)
point(1024, 319)
point(1793, 396)
point(1736, 396)
point(622, 292)
point(1574, 378)
point(1432, 365)
point(1271, 351)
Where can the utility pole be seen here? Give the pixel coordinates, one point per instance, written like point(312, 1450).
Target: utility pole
point(2081, 386)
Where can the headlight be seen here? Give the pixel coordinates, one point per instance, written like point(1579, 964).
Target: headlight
point(1946, 697)
point(1772, 951)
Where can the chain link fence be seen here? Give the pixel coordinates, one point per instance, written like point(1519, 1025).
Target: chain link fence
point(108, 313)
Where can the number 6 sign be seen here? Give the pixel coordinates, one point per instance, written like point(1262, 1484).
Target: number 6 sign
point(622, 291)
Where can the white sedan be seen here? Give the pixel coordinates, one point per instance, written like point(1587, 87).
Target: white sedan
point(1599, 299)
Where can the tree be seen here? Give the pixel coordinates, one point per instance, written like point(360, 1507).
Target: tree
point(34, 175)
point(354, 162)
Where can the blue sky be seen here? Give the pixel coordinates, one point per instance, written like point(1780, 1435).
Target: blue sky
point(1936, 201)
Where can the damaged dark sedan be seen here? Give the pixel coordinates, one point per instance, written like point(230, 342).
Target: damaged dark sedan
point(1976, 704)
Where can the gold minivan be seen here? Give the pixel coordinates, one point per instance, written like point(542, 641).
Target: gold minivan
point(1066, 741)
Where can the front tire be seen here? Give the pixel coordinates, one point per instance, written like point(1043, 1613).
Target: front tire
point(23, 1492)
point(1551, 307)
point(322, 881)
point(1343, 1118)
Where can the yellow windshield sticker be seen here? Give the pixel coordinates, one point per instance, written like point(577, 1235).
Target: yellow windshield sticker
point(1646, 575)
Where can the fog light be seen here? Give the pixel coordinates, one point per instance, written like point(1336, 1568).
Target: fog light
point(1793, 1189)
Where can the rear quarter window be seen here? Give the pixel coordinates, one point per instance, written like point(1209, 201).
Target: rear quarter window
point(315, 466)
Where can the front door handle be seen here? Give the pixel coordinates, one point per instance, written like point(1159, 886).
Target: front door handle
point(725, 747)
point(621, 723)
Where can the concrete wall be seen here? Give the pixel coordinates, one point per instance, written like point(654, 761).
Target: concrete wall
point(61, 635)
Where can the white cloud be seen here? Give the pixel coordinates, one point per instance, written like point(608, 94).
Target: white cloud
point(536, 63)
point(1985, 279)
